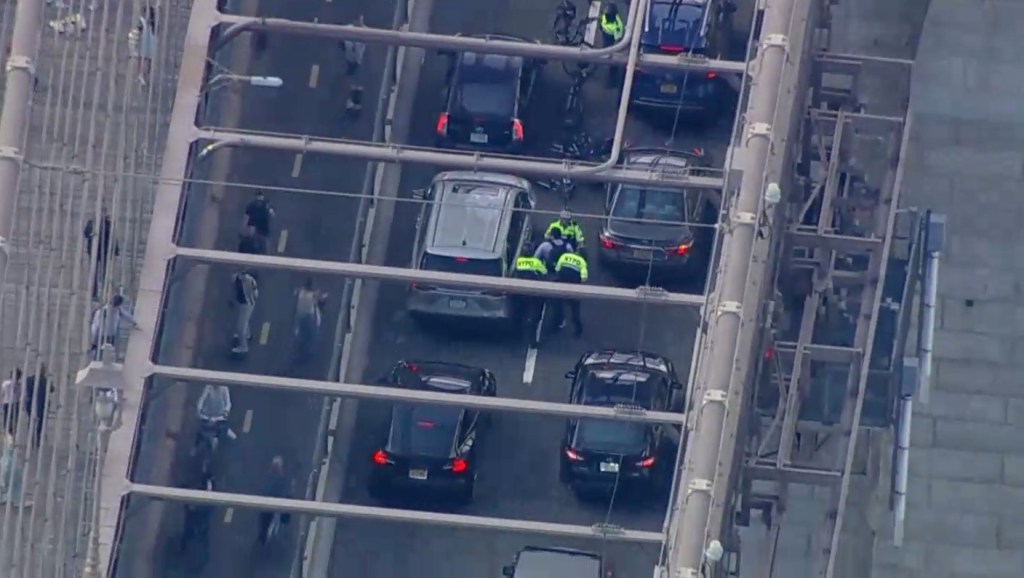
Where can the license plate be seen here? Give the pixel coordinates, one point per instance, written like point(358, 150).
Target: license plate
point(643, 254)
point(477, 137)
point(669, 89)
point(418, 474)
point(609, 467)
point(457, 303)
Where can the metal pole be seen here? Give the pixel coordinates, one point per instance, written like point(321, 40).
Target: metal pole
point(92, 558)
point(14, 116)
point(687, 554)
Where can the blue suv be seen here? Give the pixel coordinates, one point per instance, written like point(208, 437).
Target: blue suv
point(676, 27)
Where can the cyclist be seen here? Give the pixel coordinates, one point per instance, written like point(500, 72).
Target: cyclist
point(278, 485)
point(197, 516)
point(570, 229)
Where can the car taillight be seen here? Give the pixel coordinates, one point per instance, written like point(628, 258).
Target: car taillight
point(459, 466)
point(607, 243)
point(683, 249)
point(381, 458)
point(671, 49)
point(517, 129)
point(572, 455)
point(712, 75)
point(442, 124)
point(646, 462)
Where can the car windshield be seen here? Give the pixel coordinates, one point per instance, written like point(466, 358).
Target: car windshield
point(616, 386)
point(488, 267)
point(650, 205)
point(613, 437)
point(424, 430)
point(496, 98)
point(675, 24)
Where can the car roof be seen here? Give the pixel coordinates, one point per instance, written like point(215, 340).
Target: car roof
point(491, 63)
point(534, 562)
point(445, 376)
point(635, 359)
point(472, 217)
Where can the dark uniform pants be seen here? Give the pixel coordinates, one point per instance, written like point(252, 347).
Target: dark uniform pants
point(559, 306)
point(530, 308)
point(615, 73)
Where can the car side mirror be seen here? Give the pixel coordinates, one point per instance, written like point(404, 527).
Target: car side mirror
point(676, 385)
point(419, 194)
point(508, 570)
point(570, 374)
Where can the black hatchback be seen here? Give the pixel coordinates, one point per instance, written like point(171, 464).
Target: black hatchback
point(600, 455)
point(485, 100)
point(432, 448)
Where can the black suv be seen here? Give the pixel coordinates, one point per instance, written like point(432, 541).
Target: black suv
point(536, 562)
point(485, 100)
point(657, 228)
point(432, 448)
point(600, 455)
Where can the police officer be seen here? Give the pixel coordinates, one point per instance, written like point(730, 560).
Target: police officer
point(570, 268)
point(612, 31)
point(570, 229)
point(552, 249)
point(530, 307)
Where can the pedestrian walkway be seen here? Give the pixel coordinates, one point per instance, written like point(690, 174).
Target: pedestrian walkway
point(965, 514)
point(95, 142)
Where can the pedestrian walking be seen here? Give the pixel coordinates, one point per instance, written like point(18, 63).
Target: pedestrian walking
point(100, 238)
point(258, 214)
point(251, 242)
point(308, 301)
point(142, 44)
point(107, 323)
point(246, 291)
point(354, 53)
point(37, 389)
point(10, 392)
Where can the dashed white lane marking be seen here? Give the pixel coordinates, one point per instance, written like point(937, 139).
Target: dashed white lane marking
point(531, 366)
point(247, 422)
point(282, 241)
point(314, 75)
point(297, 165)
point(229, 515)
point(265, 333)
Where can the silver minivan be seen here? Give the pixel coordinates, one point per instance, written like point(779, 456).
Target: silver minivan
point(475, 223)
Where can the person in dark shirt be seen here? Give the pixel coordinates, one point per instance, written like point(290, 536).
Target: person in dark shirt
point(252, 243)
point(258, 214)
point(278, 485)
point(37, 387)
point(101, 240)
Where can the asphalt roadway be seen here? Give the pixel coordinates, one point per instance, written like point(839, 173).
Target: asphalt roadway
point(518, 476)
point(319, 226)
point(519, 457)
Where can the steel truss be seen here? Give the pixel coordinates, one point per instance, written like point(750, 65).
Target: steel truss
point(607, 172)
point(224, 499)
point(615, 54)
point(159, 262)
point(379, 392)
point(649, 295)
point(834, 256)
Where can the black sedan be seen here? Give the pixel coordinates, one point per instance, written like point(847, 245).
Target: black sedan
point(658, 229)
point(432, 448)
point(486, 99)
point(599, 455)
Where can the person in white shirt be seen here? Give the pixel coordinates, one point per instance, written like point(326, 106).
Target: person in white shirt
point(107, 322)
point(246, 291)
point(214, 407)
point(10, 394)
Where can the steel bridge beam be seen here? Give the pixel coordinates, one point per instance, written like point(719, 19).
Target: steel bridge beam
point(615, 54)
point(649, 295)
point(393, 393)
point(606, 172)
point(436, 519)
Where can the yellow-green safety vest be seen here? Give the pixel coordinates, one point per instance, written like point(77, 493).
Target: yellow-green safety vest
point(532, 264)
point(613, 26)
point(571, 232)
point(573, 262)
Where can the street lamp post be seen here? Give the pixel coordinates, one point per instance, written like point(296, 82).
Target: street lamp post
point(105, 382)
